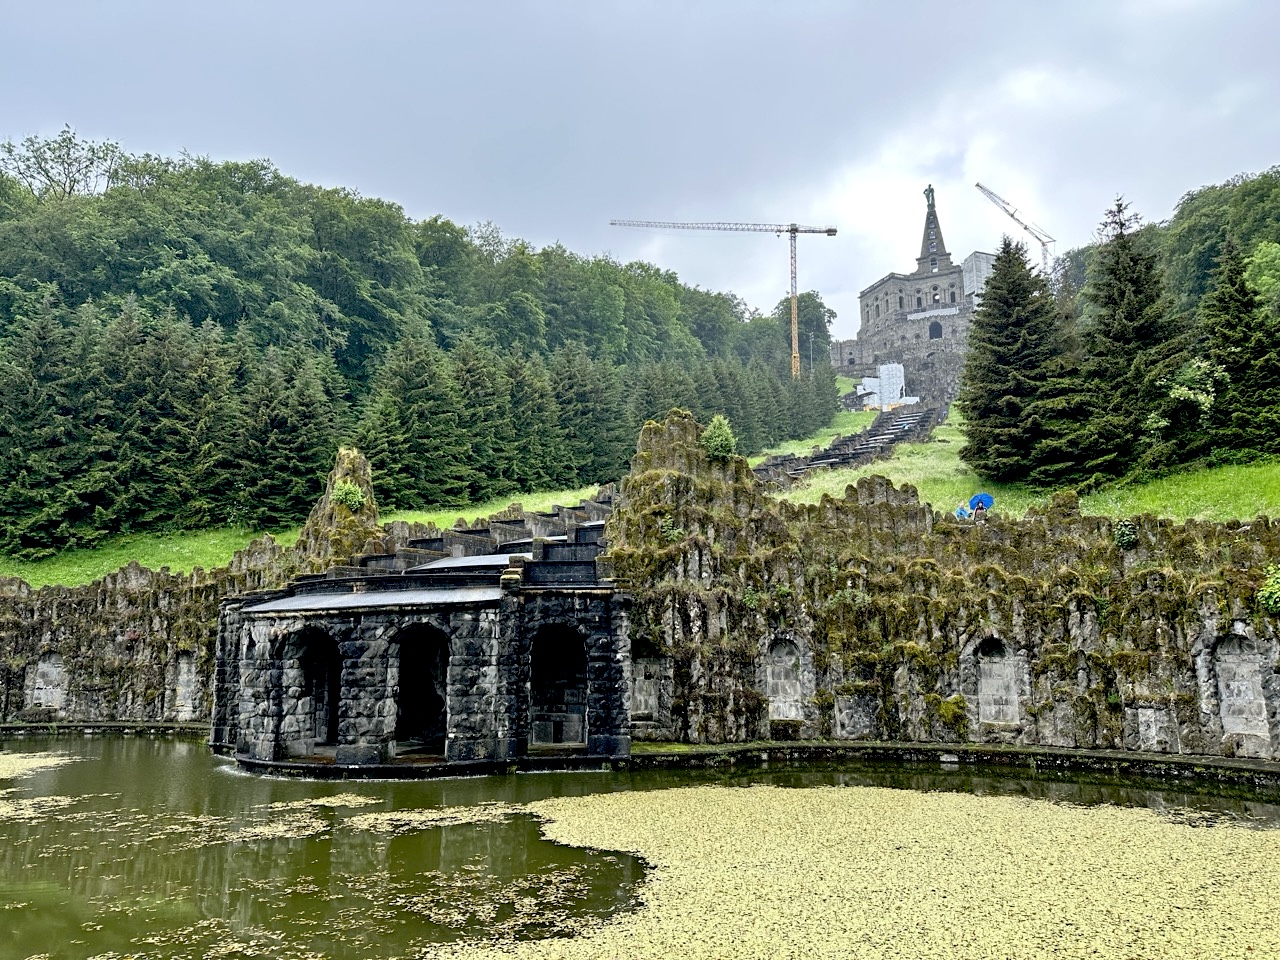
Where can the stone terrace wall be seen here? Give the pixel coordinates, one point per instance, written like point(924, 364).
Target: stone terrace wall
point(138, 644)
point(873, 617)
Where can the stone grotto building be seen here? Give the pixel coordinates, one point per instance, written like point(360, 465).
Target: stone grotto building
point(483, 644)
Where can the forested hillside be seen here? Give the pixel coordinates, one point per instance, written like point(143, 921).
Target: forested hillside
point(1157, 347)
point(184, 343)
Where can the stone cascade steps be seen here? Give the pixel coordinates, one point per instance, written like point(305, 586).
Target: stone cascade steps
point(553, 548)
point(878, 440)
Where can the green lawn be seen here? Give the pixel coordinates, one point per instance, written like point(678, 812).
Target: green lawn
point(180, 552)
point(934, 468)
point(444, 517)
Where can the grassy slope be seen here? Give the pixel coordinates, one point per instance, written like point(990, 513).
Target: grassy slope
point(183, 551)
point(935, 469)
point(844, 424)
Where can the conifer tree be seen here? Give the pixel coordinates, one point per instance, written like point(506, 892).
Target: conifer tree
point(1243, 340)
point(287, 442)
point(1011, 342)
point(539, 455)
point(484, 392)
point(55, 483)
point(1128, 347)
point(414, 430)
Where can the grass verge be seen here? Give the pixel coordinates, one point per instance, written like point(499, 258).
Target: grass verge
point(935, 469)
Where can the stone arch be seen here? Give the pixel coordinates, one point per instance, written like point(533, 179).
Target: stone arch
point(935, 330)
point(558, 686)
point(997, 683)
point(318, 704)
point(784, 681)
point(1241, 669)
point(421, 688)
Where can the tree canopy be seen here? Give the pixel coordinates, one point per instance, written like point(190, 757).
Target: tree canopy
point(186, 342)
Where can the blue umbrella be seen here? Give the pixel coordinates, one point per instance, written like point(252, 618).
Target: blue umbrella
point(985, 499)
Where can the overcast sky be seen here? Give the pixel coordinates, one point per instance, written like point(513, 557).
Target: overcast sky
point(551, 118)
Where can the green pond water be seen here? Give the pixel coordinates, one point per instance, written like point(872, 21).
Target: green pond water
point(156, 848)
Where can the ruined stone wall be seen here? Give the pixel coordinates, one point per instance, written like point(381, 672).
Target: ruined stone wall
point(873, 617)
point(138, 644)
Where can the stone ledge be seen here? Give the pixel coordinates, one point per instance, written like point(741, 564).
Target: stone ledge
point(1169, 767)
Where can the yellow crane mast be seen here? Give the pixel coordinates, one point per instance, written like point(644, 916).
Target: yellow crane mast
point(775, 228)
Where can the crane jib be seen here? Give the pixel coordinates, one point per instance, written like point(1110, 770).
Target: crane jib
point(723, 225)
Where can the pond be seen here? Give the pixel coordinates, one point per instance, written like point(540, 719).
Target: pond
point(155, 848)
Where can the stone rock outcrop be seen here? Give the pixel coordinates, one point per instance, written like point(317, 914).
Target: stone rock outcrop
point(334, 531)
point(874, 617)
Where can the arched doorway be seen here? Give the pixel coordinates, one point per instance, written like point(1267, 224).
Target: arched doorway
point(320, 662)
point(558, 687)
point(422, 690)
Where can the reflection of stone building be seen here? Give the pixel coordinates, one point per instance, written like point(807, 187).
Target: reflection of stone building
point(919, 319)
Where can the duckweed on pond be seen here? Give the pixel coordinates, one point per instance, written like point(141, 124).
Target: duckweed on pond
point(770, 872)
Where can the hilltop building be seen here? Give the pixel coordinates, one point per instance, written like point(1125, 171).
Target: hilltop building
point(919, 319)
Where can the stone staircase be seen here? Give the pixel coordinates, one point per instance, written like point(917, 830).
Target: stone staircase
point(877, 441)
point(555, 548)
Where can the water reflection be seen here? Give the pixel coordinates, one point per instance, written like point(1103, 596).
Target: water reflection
point(157, 848)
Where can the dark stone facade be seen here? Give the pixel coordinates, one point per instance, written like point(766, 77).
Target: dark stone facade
point(454, 667)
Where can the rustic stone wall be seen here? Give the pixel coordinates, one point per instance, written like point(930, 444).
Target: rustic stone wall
point(138, 644)
point(910, 625)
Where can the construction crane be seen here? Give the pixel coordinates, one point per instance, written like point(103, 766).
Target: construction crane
point(775, 228)
point(1031, 228)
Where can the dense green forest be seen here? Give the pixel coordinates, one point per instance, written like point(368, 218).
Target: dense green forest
point(184, 343)
point(1154, 348)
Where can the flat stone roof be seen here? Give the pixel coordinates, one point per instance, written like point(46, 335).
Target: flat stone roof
point(482, 561)
point(309, 602)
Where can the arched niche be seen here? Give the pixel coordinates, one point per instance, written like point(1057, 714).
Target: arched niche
point(649, 668)
point(319, 702)
point(47, 686)
point(997, 683)
point(421, 687)
point(185, 682)
point(1241, 668)
point(935, 330)
point(783, 681)
point(558, 687)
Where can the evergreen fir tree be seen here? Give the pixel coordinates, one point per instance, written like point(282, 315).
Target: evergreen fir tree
point(56, 487)
point(539, 455)
point(485, 394)
point(1011, 342)
point(1243, 341)
point(288, 440)
point(1127, 337)
point(415, 429)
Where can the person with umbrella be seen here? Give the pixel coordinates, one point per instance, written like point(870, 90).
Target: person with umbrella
point(980, 503)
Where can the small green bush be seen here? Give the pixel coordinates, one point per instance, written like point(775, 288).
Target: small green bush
point(1269, 592)
point(1125, 533)
point(718, 439)
point(348, 494)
